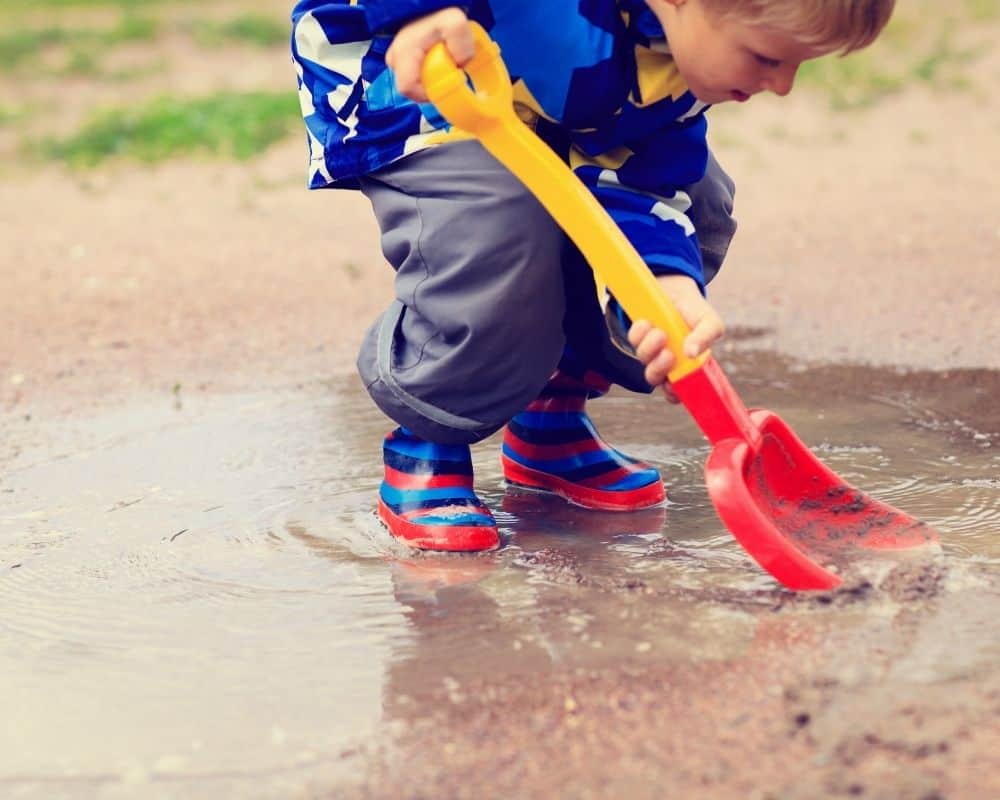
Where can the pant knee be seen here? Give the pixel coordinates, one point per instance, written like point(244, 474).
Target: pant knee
point(712, 214)
point(461, 392)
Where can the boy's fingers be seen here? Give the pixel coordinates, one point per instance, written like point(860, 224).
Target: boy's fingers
point(638, 330)
point(406, 70)
point(651, 346)
point(709, 330)
point(458, 40)
point(405, 58)
point(657, 370)
point(406, 55)
point(670, 395)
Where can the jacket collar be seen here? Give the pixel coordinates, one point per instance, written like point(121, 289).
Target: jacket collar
point(642, 23)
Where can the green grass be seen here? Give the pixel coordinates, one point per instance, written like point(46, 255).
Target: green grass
point(850, 82)
point(255, 29)
point(81, 50)
point(85, 45)
point(238, 125)
point(19, 45)
point(21, 5)
point(910, 52)
point(8, 115)
point(983, 10)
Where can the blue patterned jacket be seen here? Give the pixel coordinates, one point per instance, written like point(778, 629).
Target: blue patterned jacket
point(594, 78)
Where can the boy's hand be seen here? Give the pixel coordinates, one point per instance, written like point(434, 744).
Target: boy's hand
point(651, 343)
point(405, 56)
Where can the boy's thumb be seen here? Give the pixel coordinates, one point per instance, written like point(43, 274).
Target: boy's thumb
point(693, 347)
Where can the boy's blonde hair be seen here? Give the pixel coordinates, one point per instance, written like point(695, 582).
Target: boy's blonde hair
point(843, 25)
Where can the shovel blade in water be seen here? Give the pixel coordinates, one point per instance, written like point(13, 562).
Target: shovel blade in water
point(786, 508)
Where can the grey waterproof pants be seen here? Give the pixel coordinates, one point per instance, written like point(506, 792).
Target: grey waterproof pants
point(489, 293)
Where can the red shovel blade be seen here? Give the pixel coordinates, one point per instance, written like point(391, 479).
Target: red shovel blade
point(788, 510)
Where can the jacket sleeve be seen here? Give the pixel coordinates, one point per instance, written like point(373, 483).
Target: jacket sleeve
point(390, 15)
point(643, 188)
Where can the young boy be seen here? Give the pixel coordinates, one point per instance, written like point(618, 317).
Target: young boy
point(496, 319)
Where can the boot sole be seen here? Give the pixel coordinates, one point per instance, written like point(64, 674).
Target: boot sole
point(447, 538)
point(523, 477)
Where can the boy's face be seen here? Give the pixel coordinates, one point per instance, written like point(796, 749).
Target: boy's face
point(729, 59)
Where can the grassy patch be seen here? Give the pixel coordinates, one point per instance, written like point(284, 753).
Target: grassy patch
point(8, 115)
point(983, 10)
point(20, 5)
point(851, 82)
point(909, 52)
point(256, 29)
point(19, 45)
point(239, 125)
point(80, 51)
point(84, 45)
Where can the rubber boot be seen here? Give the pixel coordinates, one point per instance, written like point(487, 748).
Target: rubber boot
point(426, 499)
point(553, 446)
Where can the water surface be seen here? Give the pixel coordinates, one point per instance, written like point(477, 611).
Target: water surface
point(196, 597)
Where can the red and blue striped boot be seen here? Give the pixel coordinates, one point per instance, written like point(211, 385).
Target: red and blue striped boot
point(553, 446)
point(426, 500)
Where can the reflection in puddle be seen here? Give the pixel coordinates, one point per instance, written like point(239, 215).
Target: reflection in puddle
point(203, 596)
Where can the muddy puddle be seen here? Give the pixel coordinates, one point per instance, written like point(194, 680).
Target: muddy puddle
point(196, 597)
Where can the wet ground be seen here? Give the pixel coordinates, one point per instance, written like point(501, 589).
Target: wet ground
point(198, 602)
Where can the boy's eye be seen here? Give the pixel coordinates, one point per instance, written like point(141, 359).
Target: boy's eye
point(765, 61)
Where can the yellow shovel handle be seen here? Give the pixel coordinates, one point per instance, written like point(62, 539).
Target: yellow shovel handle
point(487, 112)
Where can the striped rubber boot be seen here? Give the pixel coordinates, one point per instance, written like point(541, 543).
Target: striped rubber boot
point(553, 446)
point(426, 500)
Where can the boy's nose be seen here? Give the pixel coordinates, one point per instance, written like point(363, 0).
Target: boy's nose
point(782, 80)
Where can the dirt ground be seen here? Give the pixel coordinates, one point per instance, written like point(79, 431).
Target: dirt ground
point(866, 237)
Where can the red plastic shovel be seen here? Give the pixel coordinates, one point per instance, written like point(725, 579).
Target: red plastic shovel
point(788, 510)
